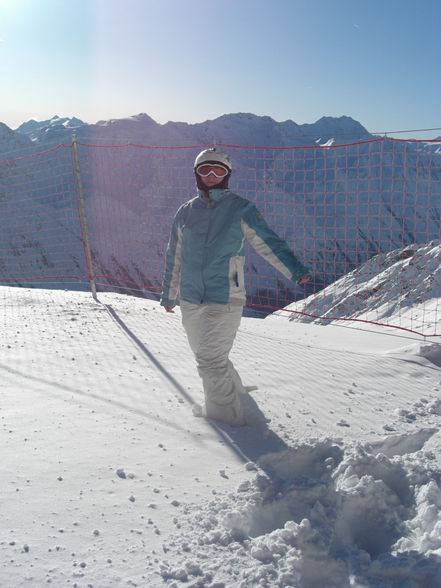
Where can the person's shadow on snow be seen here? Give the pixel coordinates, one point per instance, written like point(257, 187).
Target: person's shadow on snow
point(250, 442)
point(255, 439)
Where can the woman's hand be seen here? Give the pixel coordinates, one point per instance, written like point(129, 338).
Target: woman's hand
point(304, 279)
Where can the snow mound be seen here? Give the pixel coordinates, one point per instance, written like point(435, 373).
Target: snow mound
point(428, 351)
point(321, 514)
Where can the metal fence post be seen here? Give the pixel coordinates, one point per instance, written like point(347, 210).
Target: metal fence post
point(82, 210)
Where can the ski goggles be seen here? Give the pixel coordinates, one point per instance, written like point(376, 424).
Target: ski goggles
point(217, 169)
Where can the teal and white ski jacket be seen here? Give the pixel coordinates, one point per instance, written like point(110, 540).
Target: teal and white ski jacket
point(205, 253)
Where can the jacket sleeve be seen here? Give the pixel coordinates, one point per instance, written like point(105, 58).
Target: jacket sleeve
point(270, 246)
point(172, 273)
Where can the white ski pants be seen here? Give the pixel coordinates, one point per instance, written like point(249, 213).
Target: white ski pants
point(211, 330)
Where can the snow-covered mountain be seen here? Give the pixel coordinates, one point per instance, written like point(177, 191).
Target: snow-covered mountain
point(40, 236)
point(238, 129)
point(48, 131)
point(400, 288)
point(12, 141)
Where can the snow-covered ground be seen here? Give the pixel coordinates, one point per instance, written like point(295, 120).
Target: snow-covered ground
point(109, 479)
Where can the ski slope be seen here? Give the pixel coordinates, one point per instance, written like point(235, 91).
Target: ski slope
point(109, 479)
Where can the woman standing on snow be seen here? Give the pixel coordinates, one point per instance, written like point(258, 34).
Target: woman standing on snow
point(204, 268)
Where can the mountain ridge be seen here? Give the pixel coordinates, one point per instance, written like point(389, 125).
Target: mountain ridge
point(240, 128)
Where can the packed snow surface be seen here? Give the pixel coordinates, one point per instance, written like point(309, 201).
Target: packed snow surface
point(109, 478)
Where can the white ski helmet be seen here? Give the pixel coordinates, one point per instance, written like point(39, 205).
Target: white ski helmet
point(213, 155)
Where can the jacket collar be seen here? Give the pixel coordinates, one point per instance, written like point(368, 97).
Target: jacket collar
point(215, 195)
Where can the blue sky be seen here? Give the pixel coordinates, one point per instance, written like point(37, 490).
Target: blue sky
point(192, 60)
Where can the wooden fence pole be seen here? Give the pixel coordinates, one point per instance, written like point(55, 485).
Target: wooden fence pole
point(82, 208)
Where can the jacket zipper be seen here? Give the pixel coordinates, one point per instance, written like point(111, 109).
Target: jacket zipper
point(210, 208)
